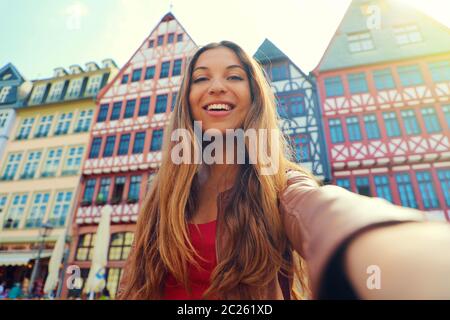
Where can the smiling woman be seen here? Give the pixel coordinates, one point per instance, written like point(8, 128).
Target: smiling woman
point(228, 231)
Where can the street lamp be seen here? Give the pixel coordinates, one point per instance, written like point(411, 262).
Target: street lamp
point(44, 231)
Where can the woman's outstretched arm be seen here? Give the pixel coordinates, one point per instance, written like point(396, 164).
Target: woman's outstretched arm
point(322, 223)
point(404, 261)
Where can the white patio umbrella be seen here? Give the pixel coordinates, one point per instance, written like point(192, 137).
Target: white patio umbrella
point(55, 264)
point(97, 274)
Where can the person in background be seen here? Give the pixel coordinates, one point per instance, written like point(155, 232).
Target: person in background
point(15, 292)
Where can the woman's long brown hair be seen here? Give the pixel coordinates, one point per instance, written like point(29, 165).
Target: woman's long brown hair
point(257, 247)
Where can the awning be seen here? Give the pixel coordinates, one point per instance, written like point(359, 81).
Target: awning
point(20, 258)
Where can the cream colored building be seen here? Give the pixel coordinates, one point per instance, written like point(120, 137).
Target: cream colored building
point(40, 168)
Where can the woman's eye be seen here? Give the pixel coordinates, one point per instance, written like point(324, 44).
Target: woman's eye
point(235, 78)
point(199, 79)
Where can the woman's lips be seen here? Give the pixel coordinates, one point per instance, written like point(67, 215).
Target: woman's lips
point(218, 113)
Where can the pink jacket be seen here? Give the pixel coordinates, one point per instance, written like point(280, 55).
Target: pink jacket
point(319, 221)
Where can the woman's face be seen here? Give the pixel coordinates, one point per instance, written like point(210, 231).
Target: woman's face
point(220, 90)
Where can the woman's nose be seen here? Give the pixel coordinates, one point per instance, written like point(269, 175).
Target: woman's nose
point(216, 86)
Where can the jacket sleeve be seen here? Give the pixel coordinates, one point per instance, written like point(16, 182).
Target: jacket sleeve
point(320, 221)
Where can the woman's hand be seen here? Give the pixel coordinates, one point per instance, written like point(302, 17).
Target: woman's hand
point(411, 261)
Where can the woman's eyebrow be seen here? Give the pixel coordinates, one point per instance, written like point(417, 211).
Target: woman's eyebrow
point(229, 67)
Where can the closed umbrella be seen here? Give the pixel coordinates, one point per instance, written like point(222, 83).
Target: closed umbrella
point(97, 274)
point(55, 264)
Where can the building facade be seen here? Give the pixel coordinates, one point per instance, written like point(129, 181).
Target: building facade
point(384, 87)
point(298, 109)
point(125, 143)
point(13, 91)
point(41, 166)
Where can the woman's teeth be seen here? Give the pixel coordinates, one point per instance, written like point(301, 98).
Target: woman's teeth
point(218, 107)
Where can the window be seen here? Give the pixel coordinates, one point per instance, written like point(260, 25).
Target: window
point(89, 191)
point(84, 121)
point(383, 79)
point(444, 179)
point(103, 192)
point(165, 67)
point(55, 91)
point(371, 125)
point(407, 34)
point(144, 106)
point(124, 144)
point(300, 143)
point(125, 79)
point(4, 92)
point(150, 72)
point(334, 87)
point(410, 122)
point(37, 211)
point(135, 187)
point(136, 75)
point(179, 37)
point(103, 113)
point(109, 146)
point(25, 128)
point(93, 85)
point(279, 72)
point(357, 82)
point(12, 165)
point(161, 103)
point(60, 209)
point(405, 190)
point(3, 199)
point(363, 186)
point(112, 281)
point(282, 107)
point(63, 124)
point(38, 94)
point(410, 75)
point(174, 100)
point(360, 42)
point(151, 43)
point(31, 165)
point(51, 164)
point(116, 111)
point(296, 105)
point(85, 246)
point(160, 40)
point(119, 186)
point(427, 191)
point(337, 136)
point(73, 161)
point(177, 67)
point(354, 131)
point(344, 183)
point(156, 140)
point(440, 71)
point(120, 245)
point(139, 140)
point(129, 109)
point(170, 38)
point(74, 89)
point(95, 148)
point(431, 120)
point(15, 212)
point(391, 124)
point(44, 126)
point(3, 117)
point(382, 187)
point(446, 110)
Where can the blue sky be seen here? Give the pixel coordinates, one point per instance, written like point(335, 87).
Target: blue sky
point(40, 35)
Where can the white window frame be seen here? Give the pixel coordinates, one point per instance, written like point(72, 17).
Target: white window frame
point(38, 210)
point(52, 162)
point(14, 160)
point(38, 94)
point(360, 42)
point(85, 117)
point(4, 93)
point(407, 34)
point(74, 154)
point(31, 165)
point(93, 85)
point(25, 127)
point(44, 126)
point(59, 207)
point(64, 121)
point(16, 211)
point(74, 88)
point(55, 91)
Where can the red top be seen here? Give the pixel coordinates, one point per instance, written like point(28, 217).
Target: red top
point(204, 242)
